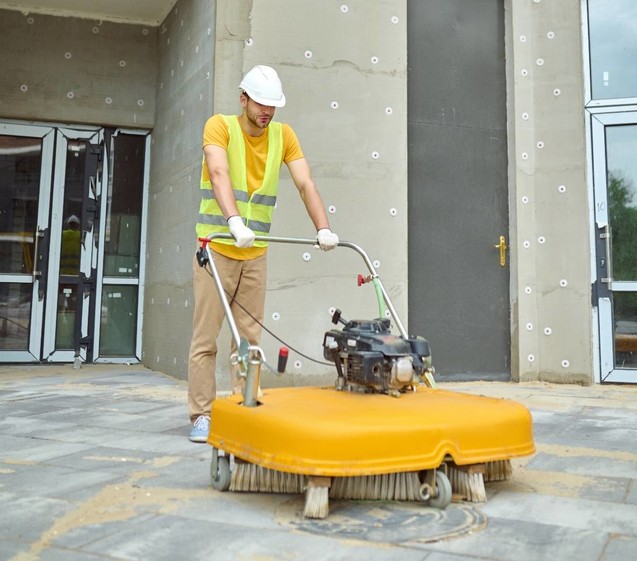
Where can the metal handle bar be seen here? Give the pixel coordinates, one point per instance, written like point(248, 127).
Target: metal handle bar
point(35, 273)
point(299, 241)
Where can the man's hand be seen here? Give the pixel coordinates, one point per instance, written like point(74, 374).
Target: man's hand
point(326, 239)
point(243, 236)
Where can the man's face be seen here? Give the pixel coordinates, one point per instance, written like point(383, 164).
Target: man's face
point(258, 115)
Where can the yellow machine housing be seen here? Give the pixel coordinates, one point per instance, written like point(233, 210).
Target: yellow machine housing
point(324, 432)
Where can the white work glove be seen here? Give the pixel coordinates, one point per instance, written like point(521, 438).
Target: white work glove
point(243, 236)
point(326, 239)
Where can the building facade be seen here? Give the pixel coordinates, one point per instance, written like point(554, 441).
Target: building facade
point(480, 151)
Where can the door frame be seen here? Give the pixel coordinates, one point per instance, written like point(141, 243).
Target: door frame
point(49, 228)
point(87, 256)
point(460, 212)
point(101, 279)
point(601, 263)
point(47, 134)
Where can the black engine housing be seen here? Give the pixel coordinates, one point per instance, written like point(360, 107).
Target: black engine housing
point(368, 357)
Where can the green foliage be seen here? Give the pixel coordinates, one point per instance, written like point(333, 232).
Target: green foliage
point(623, 222)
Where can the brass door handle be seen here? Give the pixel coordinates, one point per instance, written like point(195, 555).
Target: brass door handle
point(502, 246)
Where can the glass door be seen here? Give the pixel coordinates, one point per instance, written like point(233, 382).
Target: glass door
point(120, 287)
point(71, 278)
point(26, 162)
point(614, 137)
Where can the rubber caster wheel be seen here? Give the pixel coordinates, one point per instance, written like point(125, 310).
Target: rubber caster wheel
point(443, 496)
point(221, 479)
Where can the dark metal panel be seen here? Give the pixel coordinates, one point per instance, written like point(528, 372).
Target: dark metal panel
point(458, 193)
point(456, 62)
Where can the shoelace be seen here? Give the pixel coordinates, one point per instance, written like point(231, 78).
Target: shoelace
point(202, 422)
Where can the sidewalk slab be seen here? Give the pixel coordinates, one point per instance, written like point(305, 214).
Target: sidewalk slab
point(95, 465)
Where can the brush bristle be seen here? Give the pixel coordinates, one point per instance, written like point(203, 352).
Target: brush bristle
point(499, 470)
point(385, 487)
point(316, 502)
point(467, 485)
point(256, 479)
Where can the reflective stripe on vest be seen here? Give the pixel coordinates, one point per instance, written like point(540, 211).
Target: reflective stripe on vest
point(256, 211)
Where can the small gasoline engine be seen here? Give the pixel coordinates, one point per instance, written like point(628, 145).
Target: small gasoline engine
point(369, 358)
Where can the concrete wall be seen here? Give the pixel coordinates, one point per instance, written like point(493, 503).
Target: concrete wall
point(184, 102)
point(343, 67)
point(550, 237)
point(69, 70)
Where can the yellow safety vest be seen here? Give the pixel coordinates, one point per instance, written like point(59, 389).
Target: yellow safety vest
point(257, 210)
point(70, 255)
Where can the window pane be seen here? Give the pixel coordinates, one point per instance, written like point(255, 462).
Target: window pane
point(625, 308)
point(621, 147)
point(613, 48)
point(20, 162)
point(15, 316)
point(119, 321)
point(65, 325)
point(74, 179)
point(126, 187)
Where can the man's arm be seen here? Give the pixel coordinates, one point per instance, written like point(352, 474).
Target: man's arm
point(302, 177)
point(219, 171)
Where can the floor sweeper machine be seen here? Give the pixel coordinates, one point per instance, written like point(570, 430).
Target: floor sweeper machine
point(382, 431)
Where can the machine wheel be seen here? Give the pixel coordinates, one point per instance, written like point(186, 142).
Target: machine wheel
point(221, 479)
point(443, 491)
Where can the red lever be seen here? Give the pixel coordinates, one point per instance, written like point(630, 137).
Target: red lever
point(283, 359)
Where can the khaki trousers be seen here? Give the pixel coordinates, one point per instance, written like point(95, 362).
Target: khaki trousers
point(244, 282)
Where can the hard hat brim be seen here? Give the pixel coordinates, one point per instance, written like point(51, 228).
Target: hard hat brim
point(266, 100)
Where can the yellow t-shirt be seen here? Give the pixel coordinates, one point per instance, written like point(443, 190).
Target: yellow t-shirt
point(216, 132)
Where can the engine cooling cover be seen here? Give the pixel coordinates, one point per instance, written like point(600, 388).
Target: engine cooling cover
point(368, 357)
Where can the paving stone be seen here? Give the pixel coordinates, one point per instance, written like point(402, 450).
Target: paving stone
point(564, 512)
point(515, 540)
point(31, 449)
point(9, 548)
point(112, 460)
point(170, 537)
point(78, 536)
point(43, 480)
point(599, 466)
point(60, 554)
point(631, 497)
point(26, 408)
point(620, 548)
point(26, 517)
point(31, 427)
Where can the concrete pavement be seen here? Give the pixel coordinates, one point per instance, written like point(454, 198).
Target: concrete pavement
point(95, 465)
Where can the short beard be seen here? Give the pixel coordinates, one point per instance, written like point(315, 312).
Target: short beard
point(255, 121)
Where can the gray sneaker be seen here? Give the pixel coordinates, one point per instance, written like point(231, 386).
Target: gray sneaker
point(200, 429)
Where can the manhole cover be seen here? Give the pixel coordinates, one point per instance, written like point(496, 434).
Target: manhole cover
point(385, 522)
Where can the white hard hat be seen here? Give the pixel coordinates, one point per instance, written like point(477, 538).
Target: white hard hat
point(262, 84)
point(72, 219)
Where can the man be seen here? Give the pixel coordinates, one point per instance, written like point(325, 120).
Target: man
point(71, 242)
point(239, 181)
